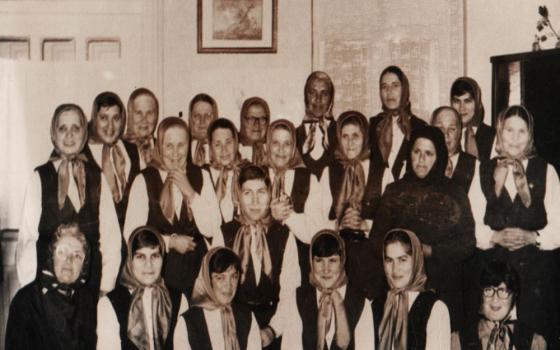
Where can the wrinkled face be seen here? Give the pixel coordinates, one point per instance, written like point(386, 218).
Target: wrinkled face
point(281, 147)
point(224, 284)
point(398, 265)
point(174, 148)
point(449, 126)
point(423, 156)
point(515, 136)
point(202, 115)
point(223, 146)
point(465, 105)
point(254, 199)
point(351, 140)
point(109, 124)
point(319, 97)
point(146, 265)
point(69, 133)
point(68, 259)
point(327, 269)
point(143, 116)
point(256, 123)
point(493, 307)
point(391, 90)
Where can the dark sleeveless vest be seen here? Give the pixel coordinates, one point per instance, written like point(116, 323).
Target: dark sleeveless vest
point(180, 270)
point(484, 138)
point(316, 166)
point(503, 211)
point(262, 298)
point(199, 338)
point(418, 317)
point(463, 173)
point(522, 337)
point(306, 299)
point(121, 298)
point(87, 217)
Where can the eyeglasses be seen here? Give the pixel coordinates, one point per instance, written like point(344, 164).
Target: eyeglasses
point(255, 121)
point(489, 292)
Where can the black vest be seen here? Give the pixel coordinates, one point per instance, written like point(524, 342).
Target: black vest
point(484, 138)
point(262, 298)
point(300, 189)
point(180, 270)
point(87, 217)
point(418, 317)
point(306, 299)
point(121, 298)
point(316, 166)
point(199, 338)
point(463, 173)
point(503, 211)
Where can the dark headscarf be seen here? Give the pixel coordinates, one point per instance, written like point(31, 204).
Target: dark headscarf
point(470, 85)
point(106, 98)
point(243, 139)
point(318, 75)
point(437, 173)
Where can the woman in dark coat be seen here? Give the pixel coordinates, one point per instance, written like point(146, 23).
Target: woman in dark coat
point(426, 202)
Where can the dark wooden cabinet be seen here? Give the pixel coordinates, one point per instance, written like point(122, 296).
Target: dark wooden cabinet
point(533, 80)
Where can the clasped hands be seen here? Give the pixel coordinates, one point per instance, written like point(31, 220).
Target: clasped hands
point(514, 238)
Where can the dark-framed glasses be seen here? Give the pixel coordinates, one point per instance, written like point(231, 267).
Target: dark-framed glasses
point(489, 292)
point(256, 121)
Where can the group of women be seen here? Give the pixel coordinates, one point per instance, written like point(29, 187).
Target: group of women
point(339, 234)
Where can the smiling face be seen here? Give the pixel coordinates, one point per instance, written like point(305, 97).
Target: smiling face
point(175, 146)
point(281, 147)
point(255, 123)
point(465, 105)
point(224, 284)
point(68, 259)
point(327, 269)
point(422, 156)
point(69, 133)
point(398, 265)
point(146, 265)
point(109, 124)
point(351, 140)
point(515, 136)
point(447, 122)
point(254, 199)
point(144, 116)
point(319, 97)
point(202, 115)
point(391, 90)
point(223, 146)
point(495, 308)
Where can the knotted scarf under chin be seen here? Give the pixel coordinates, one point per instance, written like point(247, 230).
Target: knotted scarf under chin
point(496, 335)
point(200, 153)
point(384, 131)
point(352, 189)
point(242, 244)
point(519, 177)
point(145, 147)
point(118, 165)
point(78, 172)
point(259, 153)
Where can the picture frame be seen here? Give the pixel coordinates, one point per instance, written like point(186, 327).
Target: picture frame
point(234, 26)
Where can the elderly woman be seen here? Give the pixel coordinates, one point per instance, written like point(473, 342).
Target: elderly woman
point(141, 312)
point(428, 203)
point(171, 197)
point(215, 320)
point(328, 310)
point(203, 110)
point(66, 189)
point(498, 326)
point(56, 311)
point(411, 317)
point(255, 117)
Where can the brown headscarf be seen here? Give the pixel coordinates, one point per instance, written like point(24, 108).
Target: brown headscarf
point(394, 325)
point(144, 144)
point(243, 138)
point(318, 75)
point(205, 297)
point(76, 160)
point(466, 84)
point(501, 170)
point(137, 330)
point(384, 129)
point(354, 179)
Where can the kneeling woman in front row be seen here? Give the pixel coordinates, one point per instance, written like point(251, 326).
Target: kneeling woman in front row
point(411, 317)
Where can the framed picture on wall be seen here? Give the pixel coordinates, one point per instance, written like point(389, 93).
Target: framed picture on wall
point(237, 26)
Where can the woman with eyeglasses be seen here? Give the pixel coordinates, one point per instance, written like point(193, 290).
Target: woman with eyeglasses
point(255, 117)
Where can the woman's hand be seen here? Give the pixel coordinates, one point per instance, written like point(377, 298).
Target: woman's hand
point(179, 178)
point(181, 243)
point(281, 209)
point(267, 336)
point(351, 219)
point(427, 250)
point(514, 238)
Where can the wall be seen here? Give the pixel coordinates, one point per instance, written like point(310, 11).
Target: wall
point(500, 27)
point(231, 78)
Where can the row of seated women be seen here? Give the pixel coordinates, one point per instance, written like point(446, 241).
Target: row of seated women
point(358, 178)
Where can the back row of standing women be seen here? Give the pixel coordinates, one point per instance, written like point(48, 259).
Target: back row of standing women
point(472, 195)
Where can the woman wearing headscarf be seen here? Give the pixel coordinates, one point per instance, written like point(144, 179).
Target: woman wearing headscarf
point(266, 247)
point(141, 312)
point(170, 197)
point(215, 320)
point(316, 135)
point(254, 121)
point(497, 326)
point(203, 110)
point(428, 203)
point(56, 311)
point(68, 188)
point(411, 316)
point(348, 197)
point(390, 130)
point(328, 312)
point(478, 138)
point(520, 218)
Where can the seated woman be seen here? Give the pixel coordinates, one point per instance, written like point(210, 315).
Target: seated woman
point(411, 317)
point(329, 310)
point(56, 311)
point(141, 312)
point(498, 326)
point(214, 320)
point(255, 117)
